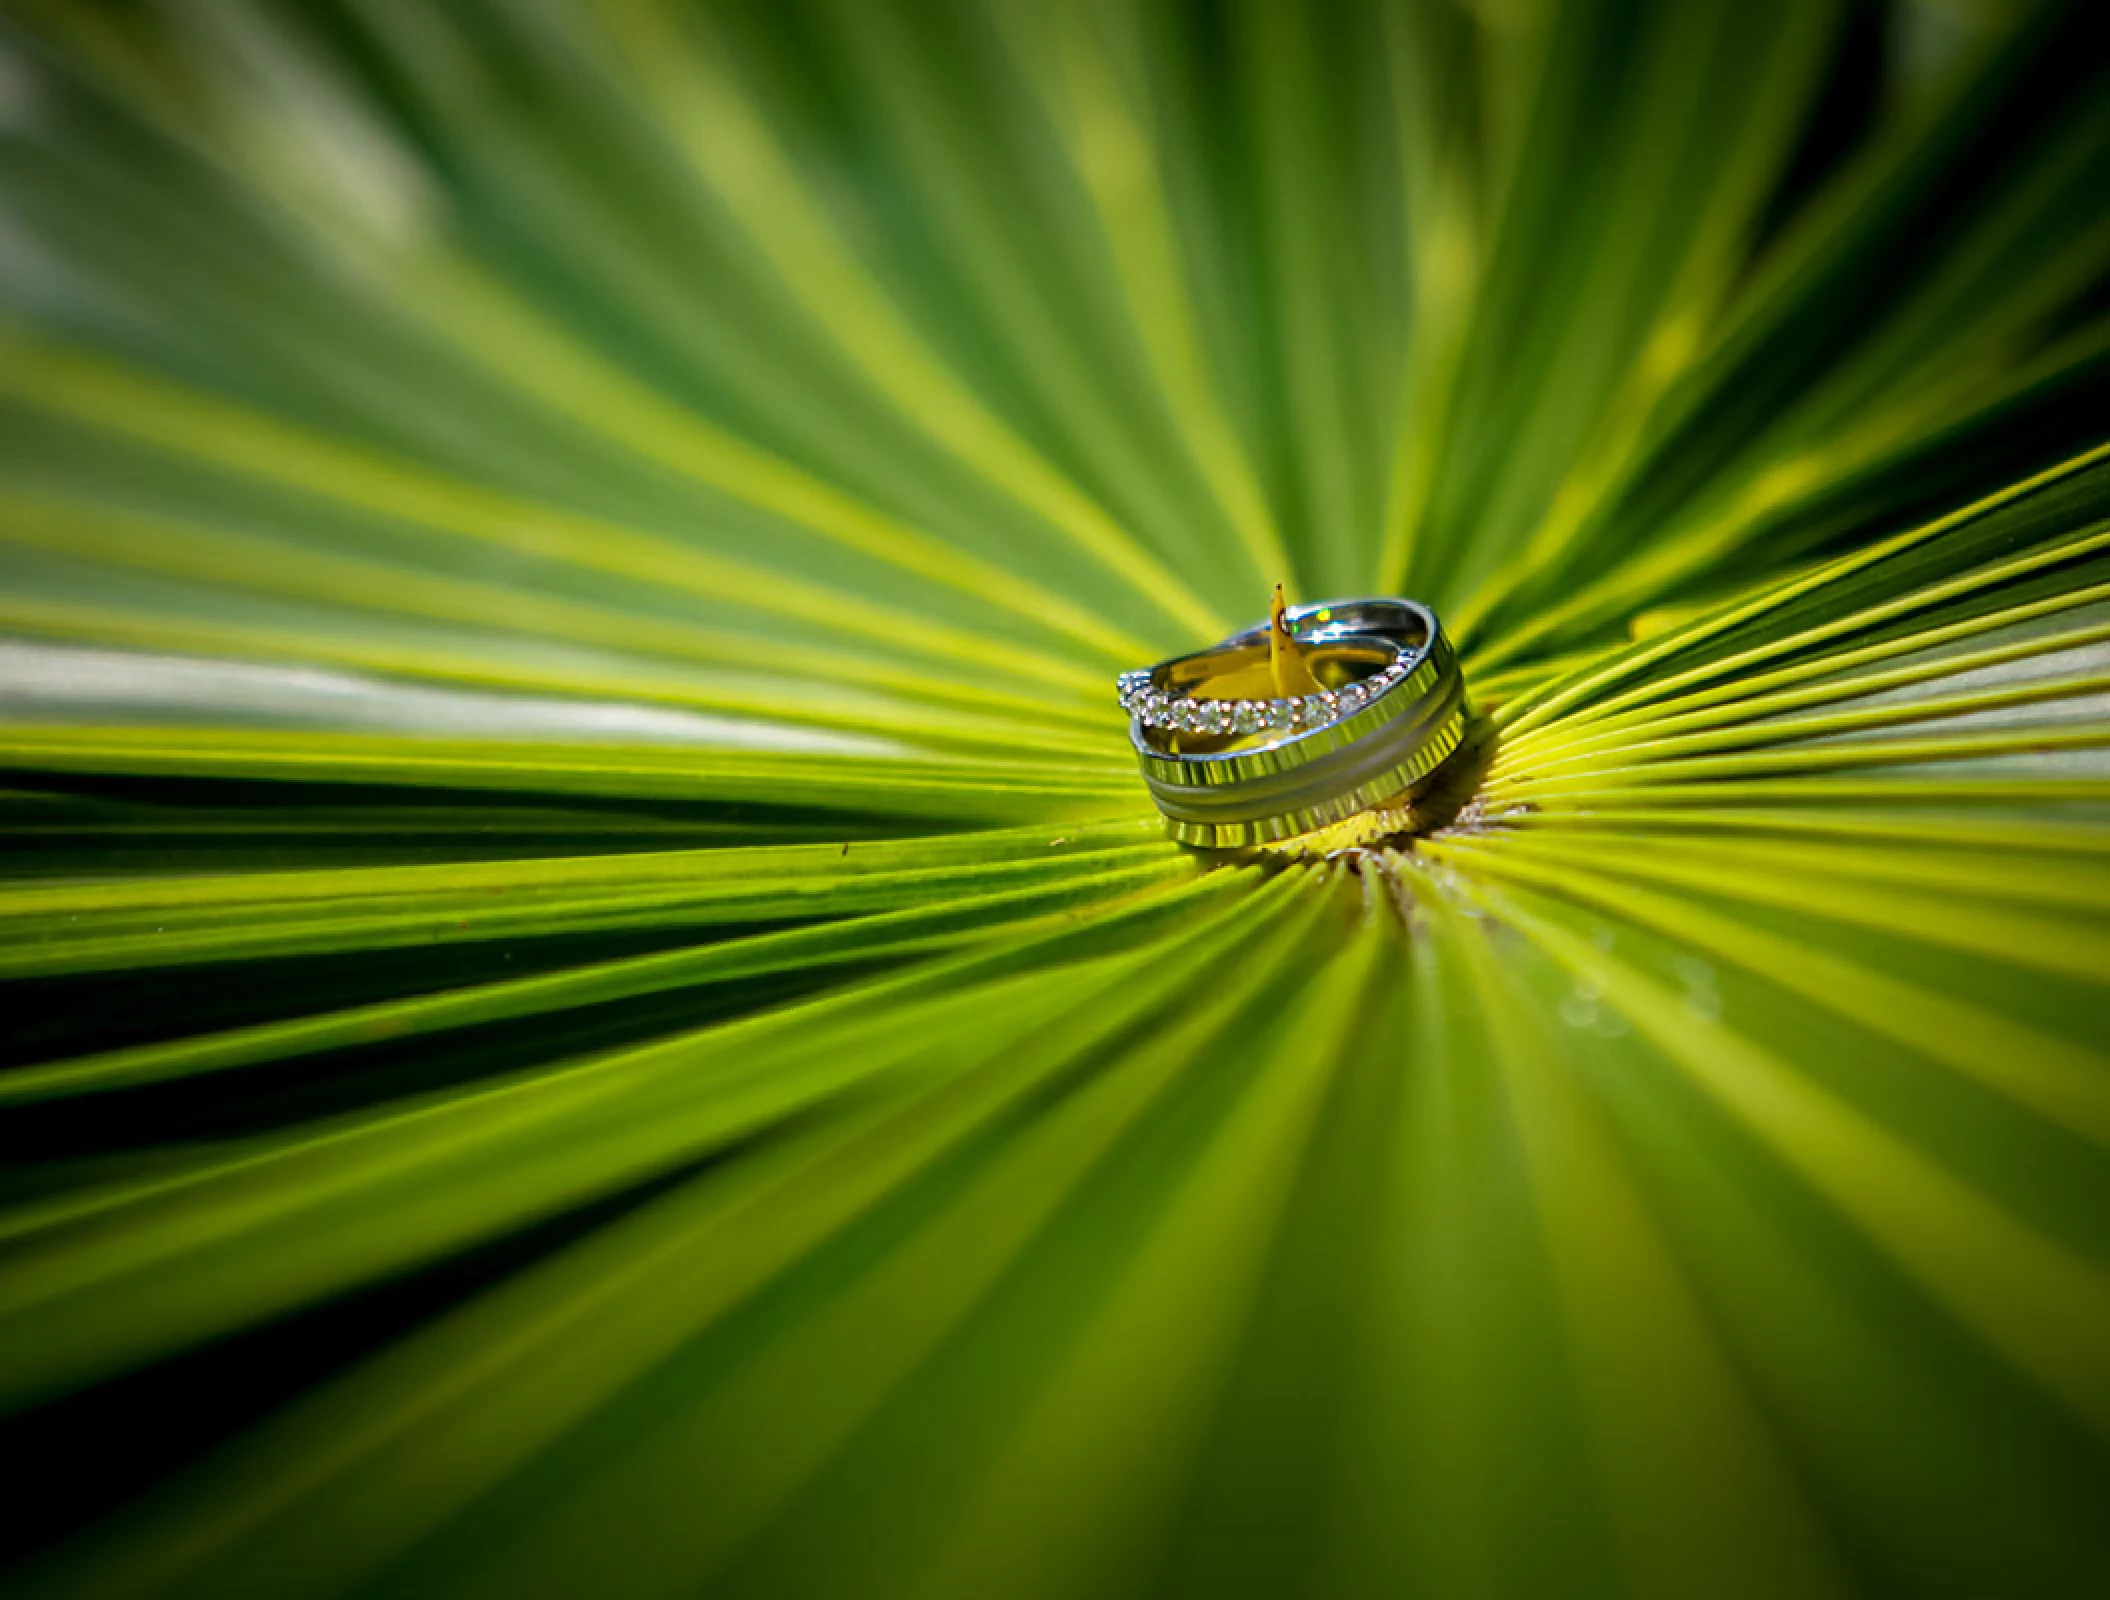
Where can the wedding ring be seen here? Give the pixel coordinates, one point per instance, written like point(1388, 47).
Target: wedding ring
point(1229, 767)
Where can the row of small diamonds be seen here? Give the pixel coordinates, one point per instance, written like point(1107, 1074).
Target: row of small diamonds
point(1181, 714)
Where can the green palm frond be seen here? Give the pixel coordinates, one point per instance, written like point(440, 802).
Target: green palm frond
point(593, 1004)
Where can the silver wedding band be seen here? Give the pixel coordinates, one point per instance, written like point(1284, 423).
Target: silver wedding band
point(1229, 772)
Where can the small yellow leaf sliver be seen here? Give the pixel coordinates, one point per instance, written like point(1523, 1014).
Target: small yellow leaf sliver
point(1292, 674)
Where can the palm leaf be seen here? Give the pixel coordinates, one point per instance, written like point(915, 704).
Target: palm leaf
point(593, 1005)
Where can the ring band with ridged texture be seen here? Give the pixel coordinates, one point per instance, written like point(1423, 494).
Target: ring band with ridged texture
point(1325, 757)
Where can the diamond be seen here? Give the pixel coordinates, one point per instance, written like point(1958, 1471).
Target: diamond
point(1247, 717)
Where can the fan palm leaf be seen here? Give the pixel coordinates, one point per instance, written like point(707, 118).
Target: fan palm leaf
point(594, 1005)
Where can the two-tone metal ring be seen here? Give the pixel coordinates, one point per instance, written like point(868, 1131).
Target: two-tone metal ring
point(1230, 766)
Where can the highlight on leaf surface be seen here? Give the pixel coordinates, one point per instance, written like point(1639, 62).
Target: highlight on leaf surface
point(590, 1000)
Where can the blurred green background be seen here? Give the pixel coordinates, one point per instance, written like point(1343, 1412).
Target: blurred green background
point(590, 1003)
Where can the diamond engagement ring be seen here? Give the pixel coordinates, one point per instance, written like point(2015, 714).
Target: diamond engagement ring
point(1232, 761)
